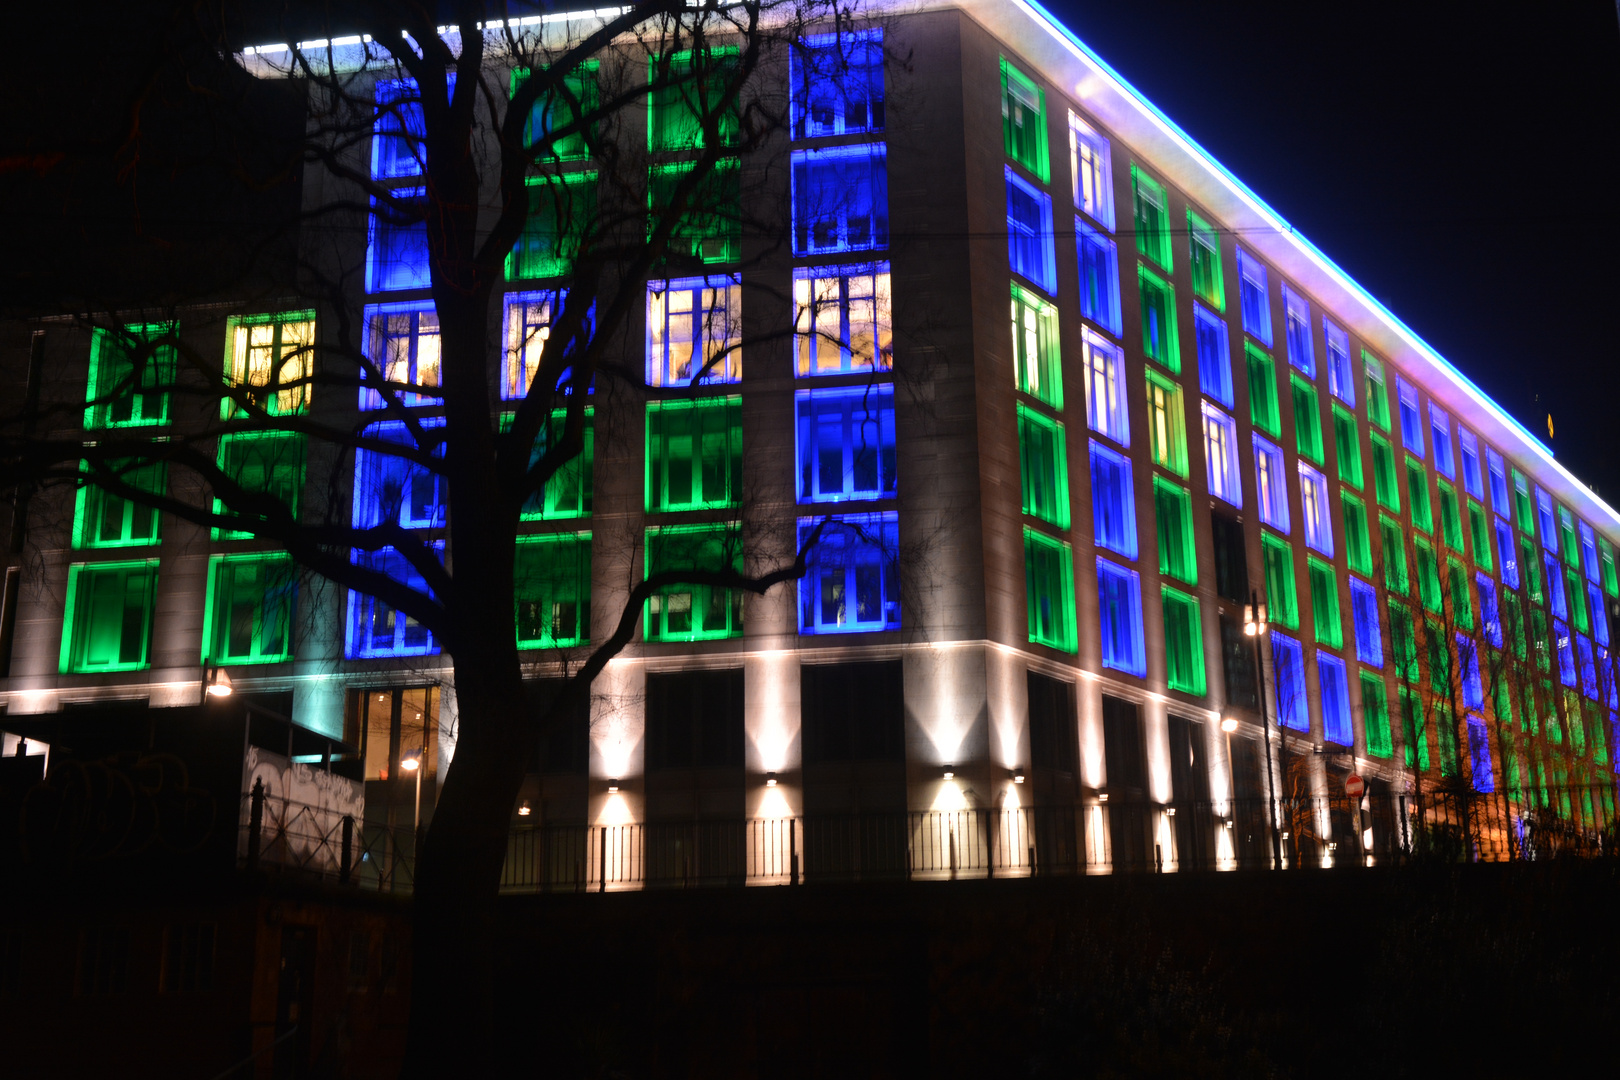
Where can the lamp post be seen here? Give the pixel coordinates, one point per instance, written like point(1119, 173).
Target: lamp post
point(1254, 625)
point(411, 762)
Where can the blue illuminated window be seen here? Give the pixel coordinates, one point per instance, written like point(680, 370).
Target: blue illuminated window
point(1600, 616)
point(1119, 607)
point(841, 199)
point(1473, 479)
point(853, 581)
point(1490, 612)
point(1589, 680)
point(1500, 502)
point(529, 316)
point(397, 256)
point(1555, 585)
point(402, 343)
point(1092, 171)
point(846, 443)
point(1214, 354)
point(842, 319)
point(1297, 327)
point(1314, 508)
point(837, 84)
point(1440, 432)
point(1545, 519)
point(1029, 232)
point(375, 628)
point(1479, 756)
point(1508, 553)
point(1221, 455)
point(1473, 687)
point(1341, 376)
point(1288, 664)
point(1364, 614)
point(1271, 484)
point(1566, 653)
point(1099, 278)
point(1254, 297)
point(1335, 699)
point(1106, 409)
point(398, 130)
point(390, 489)
point(1113, 501)
point(1411, 418)
point(1589, 556)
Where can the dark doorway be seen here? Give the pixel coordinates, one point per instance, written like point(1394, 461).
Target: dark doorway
point(853, 733)
point(1189, 796)
point(1130, 819)
point(695, 832)
point(1053, 780)
point(1250, 839)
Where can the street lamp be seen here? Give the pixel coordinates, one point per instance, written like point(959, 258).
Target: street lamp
point(1254, 625)
point(1228, 725)
point(411, 762)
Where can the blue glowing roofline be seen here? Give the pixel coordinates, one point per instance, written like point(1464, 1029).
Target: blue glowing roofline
point(1066, 37)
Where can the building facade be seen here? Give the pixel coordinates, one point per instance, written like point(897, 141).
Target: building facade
point(1066, 402)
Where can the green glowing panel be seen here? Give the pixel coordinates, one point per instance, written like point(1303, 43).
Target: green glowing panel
point(694, 454)
point(248, 618)
point(1307, 419)
point(108, 619)
point(1023, 121)
point(1183, 643)
point(1264, 411)
point(1167, 425)
point(562, 209)
point(102, 519)
point(131, 369)
point(552, 589)
point(1375, 715)
point(685, 611)
point(1043, 461)
point(1178, 555)
point(688, 106)
point(1049, 590)
point(1347, 446)
point(1357, 541)
point(1282, 593)
point(1329, 624)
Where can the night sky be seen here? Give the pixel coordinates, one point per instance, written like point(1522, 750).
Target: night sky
point(1461, 161)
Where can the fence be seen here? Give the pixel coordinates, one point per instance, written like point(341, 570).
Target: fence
point(1096, 838)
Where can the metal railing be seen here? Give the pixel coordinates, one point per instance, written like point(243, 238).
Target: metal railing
point(1094, 838)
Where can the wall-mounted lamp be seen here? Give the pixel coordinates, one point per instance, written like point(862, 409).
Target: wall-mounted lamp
point(1229, 724)
point(1228, 823)
point(1102, 796)
point(950, 772)
point(1018, 776)
point(1170, 812)
point(613, 786)
point(1254, 619)
point(770, 779)
point(524, 810)
point(217, 681)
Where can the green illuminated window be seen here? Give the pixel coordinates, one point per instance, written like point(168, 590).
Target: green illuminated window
point(689, 88)
point(694, 453)
point(1043, 460)
point(1462, 597)
point(1023, 121)
point(1480, 526)
point(560, 211)
point(130, 369)
point(1325, 604)
point(1357, 542)
point(1392, 542)
point(1526, 509)
point(1571, 542)
point(1183, 642)
point(1417, 490)
point(1385, 484)
point(1377, 391)
point(1152, 218)
point(1530, 568)
point(1049, 590)
point(1414, 736)
point(249, 612)
point(1307, 419)
point(568, 492)
point(1611, 580)
point(102, 519)
point(1450, 517)
point(1375, 715)
point(552, 588)
point(1167, 424)
point(1172, 506)
point(1347, 446)
point(1428, 575)
point(1207, 280)
point(552, 119)
point(1576, 591)
point(1282, 593)
point(108, 623)
point(267, 463)
point(1264, 412)
point(270, 351)
point(1538, 637)
point(1403, 641)
point(691, 612)
point(1036, 356)
point(710, 228)
point(1159, 338)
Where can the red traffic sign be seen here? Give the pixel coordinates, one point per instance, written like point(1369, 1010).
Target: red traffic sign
point(1355, 786)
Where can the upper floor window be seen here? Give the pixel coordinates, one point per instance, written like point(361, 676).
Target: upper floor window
point(1167, 426)
point(552, 589)
point(1254, 297)
point(1544, 517)
point(846, 443)
point(529, 318)
point(560, 126)
point(1473, 479)
point(1341, 376)
point(1036, 359)
point(1313, 500)
point(842, 319)
point(1297, 327)
point(131, 370)
point(1119, 608)
point(375, 627)
point(1500, 500)
point(1220, 455)
point(1377, 391)
point(1440, 434)
point(1208, 280)
point(562, 209)
point(1152, 218)
point(1029, 232)
point(1160, 340)
point(395, 489)
point(688, 96)
point(567, 492)
point(1214, 355)
point(1589, 555)
point(694, 454)
point(271, 360)
point(1105, 388)
point(402, 344)
point(108, 625)
point(841, 199)
point(1271, 484)
point(1091, 167)
point(398, 131)
point(837, 83)
point(1049, 590)
point(1099, 278)
point(1044, 466)
point(247, 614)
point(687, 612)
point(1113, 501)
point(102, 519)
point(694, 331)
point(1023, 121)
point(1411, 419)
point(853, 580)
point(261, 463)
point(709, 230)
point(397, 251)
